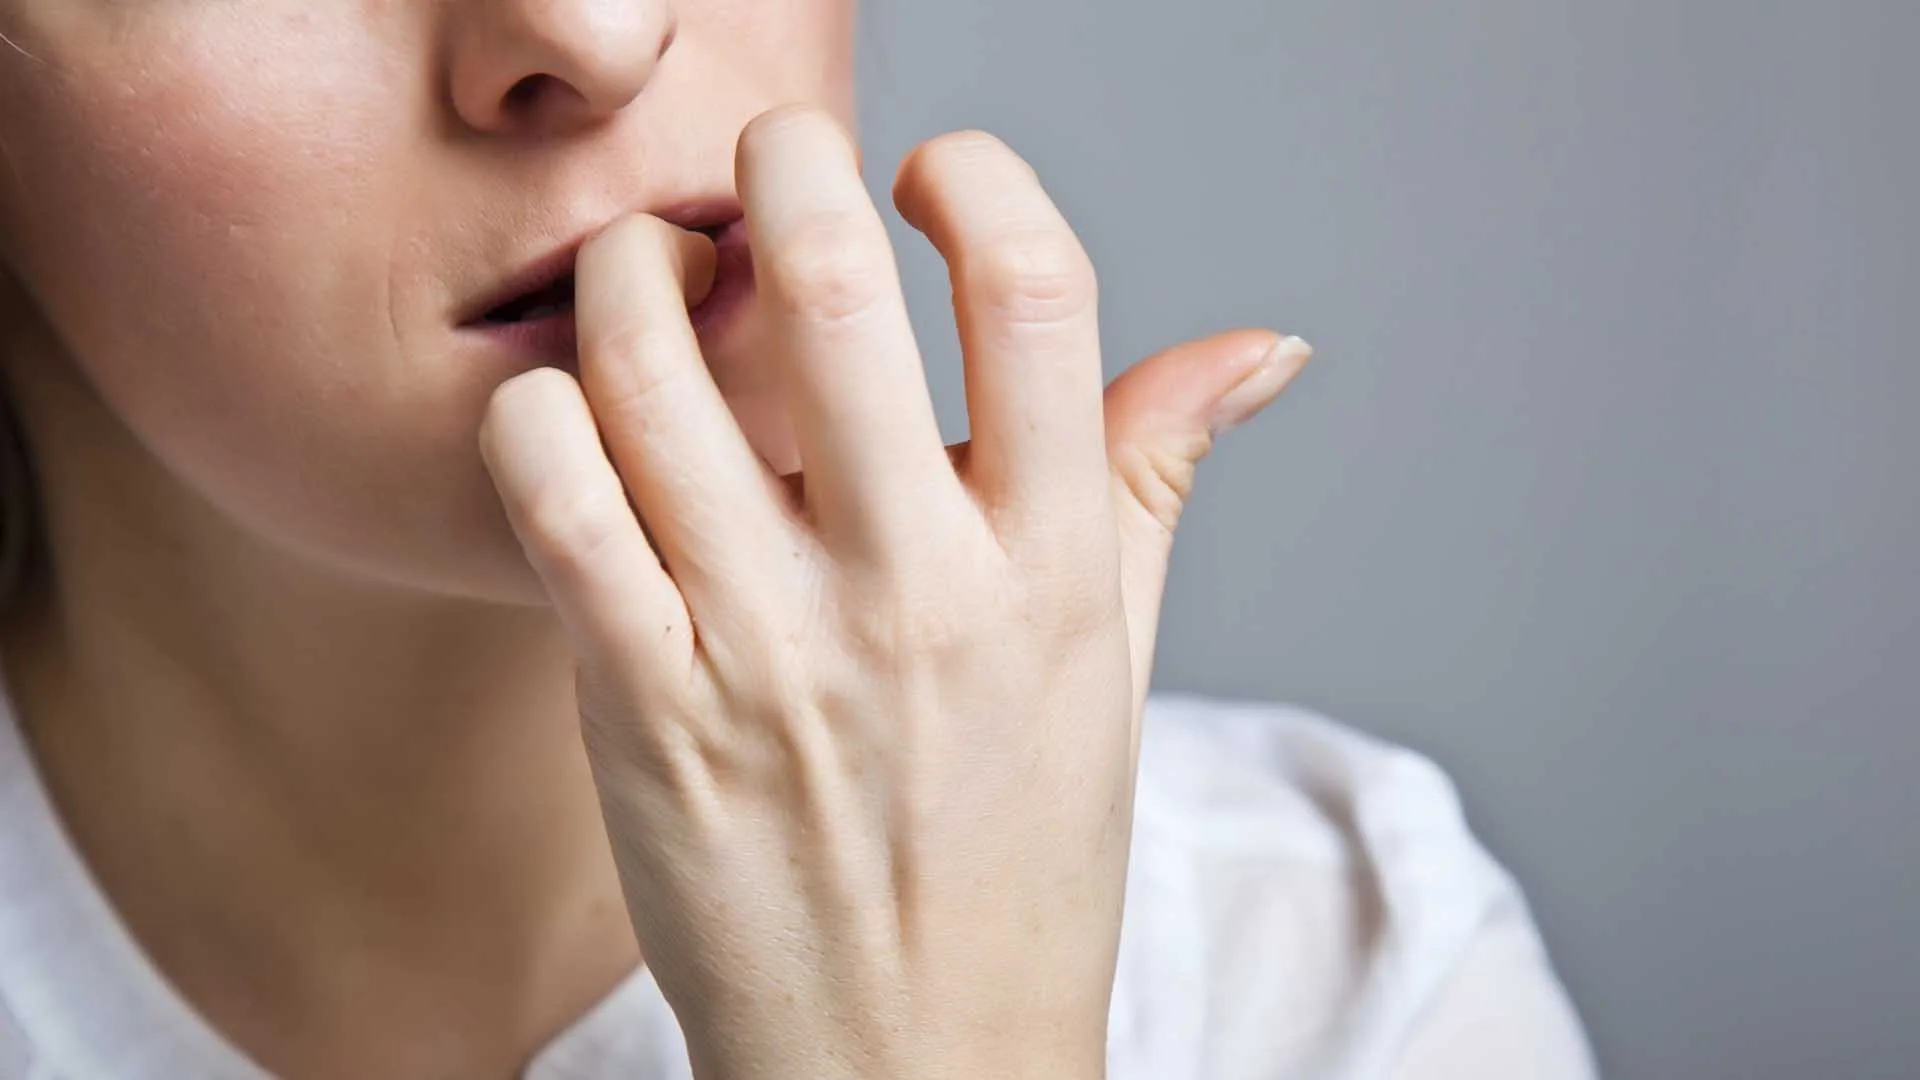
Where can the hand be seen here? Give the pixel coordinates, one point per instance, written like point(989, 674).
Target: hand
point(866, 744)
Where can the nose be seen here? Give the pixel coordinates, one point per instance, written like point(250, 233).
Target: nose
point(552, 66)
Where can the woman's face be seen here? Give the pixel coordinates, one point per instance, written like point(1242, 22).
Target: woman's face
point(253, 228)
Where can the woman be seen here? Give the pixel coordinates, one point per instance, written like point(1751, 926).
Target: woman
point(491, 599)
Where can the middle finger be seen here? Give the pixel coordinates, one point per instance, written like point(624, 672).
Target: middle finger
point(877, 474)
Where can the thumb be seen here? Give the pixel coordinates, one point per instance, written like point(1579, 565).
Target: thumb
point(1162, 416)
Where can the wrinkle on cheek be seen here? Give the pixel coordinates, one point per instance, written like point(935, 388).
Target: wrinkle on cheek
point(387, 300)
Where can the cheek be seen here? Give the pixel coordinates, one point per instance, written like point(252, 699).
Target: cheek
point(175, 168)
point(209, 223)
point(212, 214)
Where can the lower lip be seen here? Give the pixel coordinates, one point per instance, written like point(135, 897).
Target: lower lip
point(555, 339)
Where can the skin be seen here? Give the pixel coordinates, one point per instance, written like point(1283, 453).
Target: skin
point(309, 681)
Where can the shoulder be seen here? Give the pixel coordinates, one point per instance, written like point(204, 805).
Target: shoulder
point(1307, 899)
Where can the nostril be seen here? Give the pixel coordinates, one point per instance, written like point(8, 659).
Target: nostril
point(525, 92)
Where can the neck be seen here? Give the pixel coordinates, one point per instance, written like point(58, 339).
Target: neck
point(294, 784)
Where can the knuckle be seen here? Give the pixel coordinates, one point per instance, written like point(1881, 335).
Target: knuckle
point(782, 681)
point(899, 612)
point(666, 747)
point(1160, 477)
point(627, 377)
point(572, 524)
point(1039, 275)
point(900, 631)
point(829, 268)
point(944, 602)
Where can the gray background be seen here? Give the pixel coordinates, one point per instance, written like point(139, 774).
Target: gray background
point(1600, 489)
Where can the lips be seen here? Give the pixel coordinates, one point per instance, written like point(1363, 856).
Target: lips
point(554, 299)
point(545, 288)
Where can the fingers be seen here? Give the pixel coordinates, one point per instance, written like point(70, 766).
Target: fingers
point(1025, 300)
point(716, 513)
point(1163, 414)
point(877, 475)
point(570, 514)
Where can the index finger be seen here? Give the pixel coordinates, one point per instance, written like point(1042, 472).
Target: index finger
point(715, 511)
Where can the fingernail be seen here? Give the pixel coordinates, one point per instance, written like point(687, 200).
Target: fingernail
point(1267, 379)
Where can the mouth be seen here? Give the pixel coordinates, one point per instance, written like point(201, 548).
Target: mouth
point(545, 290)
point(541, 303)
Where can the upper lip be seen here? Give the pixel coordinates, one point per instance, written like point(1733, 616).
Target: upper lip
point(707, 213)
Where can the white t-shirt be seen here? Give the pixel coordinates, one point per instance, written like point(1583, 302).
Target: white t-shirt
point(1302, 902)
